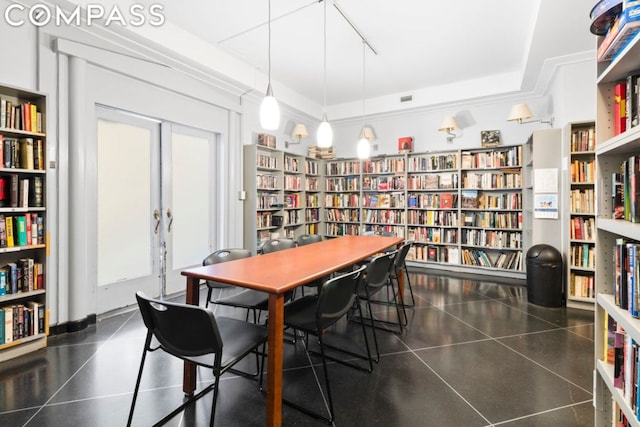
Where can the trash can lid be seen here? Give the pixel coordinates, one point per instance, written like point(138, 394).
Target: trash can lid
point(544, 253)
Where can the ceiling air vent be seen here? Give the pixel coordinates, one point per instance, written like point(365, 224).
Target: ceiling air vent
point(406, 98)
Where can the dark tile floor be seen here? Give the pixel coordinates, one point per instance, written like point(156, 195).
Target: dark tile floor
point(474, 354)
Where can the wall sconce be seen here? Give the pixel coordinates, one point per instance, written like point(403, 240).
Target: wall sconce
point(448, 126)
point(521, 112)
point(299, 131)
point(368, 133)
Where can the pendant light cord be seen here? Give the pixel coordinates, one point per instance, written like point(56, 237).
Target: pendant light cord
point(364, 55)
point(269, 41)
point(325, 58)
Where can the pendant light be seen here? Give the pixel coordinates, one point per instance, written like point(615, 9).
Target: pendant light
point(269, 109)
point(325, 133)
point(364, 148)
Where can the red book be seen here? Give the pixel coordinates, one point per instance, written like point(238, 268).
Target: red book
point(446, 201)
point(620, 108)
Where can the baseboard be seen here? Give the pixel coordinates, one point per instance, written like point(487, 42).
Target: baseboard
point(75, 326)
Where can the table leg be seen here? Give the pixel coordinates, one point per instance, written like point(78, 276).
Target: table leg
point(275, 360)
point(189, 376)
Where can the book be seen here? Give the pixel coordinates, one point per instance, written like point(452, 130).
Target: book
point(9, 229)
point(3, 281)
point(37, 192)
point(26, 153)
point(432, 253)
point(14, 189)
point(446, 201)
point(23, 193)
point(2, 339)
point(21, 230)
point(619, 108)
point(469, 199)
point(8, 324)
point(617, 196)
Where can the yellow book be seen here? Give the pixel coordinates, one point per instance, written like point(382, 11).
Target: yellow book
point(34, 118)
point(9, 226)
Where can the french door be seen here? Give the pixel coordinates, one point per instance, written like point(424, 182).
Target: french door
point(155, 203)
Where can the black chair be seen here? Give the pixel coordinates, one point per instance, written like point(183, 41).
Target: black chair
point(313, 314)
point(192, 333)
point(274, 245)
point(377, 277)
point(307, 239)
point(222, 255)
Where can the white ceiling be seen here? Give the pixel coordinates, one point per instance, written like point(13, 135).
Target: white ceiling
point(419, 43)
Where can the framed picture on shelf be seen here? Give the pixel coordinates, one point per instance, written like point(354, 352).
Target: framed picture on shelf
point(267, 140)
point(405, 144)
point(490, 138)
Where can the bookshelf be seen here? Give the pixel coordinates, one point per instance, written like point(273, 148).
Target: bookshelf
point(433, 216)
point(611, 152)
point(582, 217)
point(383, 195)
point(294, 195)
point(264, 205)
point(491, 208)
point(23, 256)
point(342, 186)
point(313, 196)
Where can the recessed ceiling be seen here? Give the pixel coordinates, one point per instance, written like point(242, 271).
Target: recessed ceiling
point(420, 44)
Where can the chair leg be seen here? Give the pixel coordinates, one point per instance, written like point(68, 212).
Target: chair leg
point(209, 293)
point(326, 380)
point(215, 400)
point(406, 272)
point(137, 387)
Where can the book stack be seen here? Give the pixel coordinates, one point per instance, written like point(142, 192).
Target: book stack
point(622, 25)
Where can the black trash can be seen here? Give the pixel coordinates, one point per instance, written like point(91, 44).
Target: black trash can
point(544, 276)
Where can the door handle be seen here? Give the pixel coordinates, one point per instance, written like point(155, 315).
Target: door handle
point(156, 216)
point(170, 217)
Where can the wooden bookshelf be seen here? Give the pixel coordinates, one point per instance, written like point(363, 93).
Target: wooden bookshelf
point(23, 259)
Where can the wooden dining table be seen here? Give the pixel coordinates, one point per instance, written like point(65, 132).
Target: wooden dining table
point(275, 274)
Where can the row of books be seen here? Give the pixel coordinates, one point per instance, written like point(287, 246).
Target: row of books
point(267, 182)
point(627, 275)
point(21, 192)
point(292, 218)
point(344, 215)
point(292, 183)
point(433, 181)
point(512, 201)
point(582, 201)
point(510, 157)
point(21, 230)
point(492, 180)
point(312, 215)
point(583, 171)
point(23, 153)
point(391, 200)
point(433, 200)
point(583, 140)
point(510, 220)
point(505, 261)
point(581, 228)
point(581, 285)
point(338, 229)
point(341, 200)
point(433, 163)
point(623, 353)
point(378, 216)
point(384, 165)
point(433, 235)
point(313, 200)
point(345, 167)
point(292, 200)
point(434, 218)
point(625, 202)
point(266, 200)
point(311, 184)
point(492, 239)
point(343, 184)
point(24, 275)
point(311, 167)
point(20, 321)
point(582, 255)
point(266, 161)
point(383, 183)
point(446, 254)
point(265, 220)
point(291, 164)
point(379, 229)
point(626, 103)
point(21, 116)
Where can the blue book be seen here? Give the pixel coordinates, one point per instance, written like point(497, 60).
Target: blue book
point(12, 277)
point(3, 281)
point(2, 339)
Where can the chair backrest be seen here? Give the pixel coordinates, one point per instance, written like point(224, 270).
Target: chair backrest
point(379, 269)
point(306, 239)
point(224, 255)
point(275, 245)
point(181, 329)
point(379, 233)
point(402, 253)
point(336, 296)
